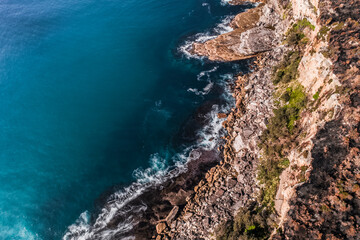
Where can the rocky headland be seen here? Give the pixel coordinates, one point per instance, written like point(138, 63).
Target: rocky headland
point(289, 167)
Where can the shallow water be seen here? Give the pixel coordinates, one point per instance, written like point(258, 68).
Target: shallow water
point(89, 92)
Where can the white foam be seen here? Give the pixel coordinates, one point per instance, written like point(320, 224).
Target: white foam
point(225, 2)
point(156, 174)
point(117, 205)
point(18, 231)
point(214, 129)
point(221, 28)
point(204, 76)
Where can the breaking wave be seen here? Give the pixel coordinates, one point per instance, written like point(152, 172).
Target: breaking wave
point(204, 76)
point(187, 46)
point(117, 206)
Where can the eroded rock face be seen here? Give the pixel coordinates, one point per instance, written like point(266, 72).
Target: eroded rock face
point(253, 41)
point(327, 205)
point(249, 37)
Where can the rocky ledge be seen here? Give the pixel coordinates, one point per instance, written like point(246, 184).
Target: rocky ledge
point(251, 35)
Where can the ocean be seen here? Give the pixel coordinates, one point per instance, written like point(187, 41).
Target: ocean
point(97, 95)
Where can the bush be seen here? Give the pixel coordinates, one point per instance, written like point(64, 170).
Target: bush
point(276, 141)
point(295, 35)
point(316, 95)
point(287, 70)
point(282, 123)
point(327, 53)
point(323, 32)
point(249, 223)
point(269, 172)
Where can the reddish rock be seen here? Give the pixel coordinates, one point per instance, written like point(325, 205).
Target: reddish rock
point(160, 227)
point(222, 115)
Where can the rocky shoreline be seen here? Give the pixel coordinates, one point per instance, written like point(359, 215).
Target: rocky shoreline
point(289, 167)
point(231, 185)
point(317, 191)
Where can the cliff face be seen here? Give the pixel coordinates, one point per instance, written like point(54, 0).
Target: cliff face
point(327, 204)
point(291, 165)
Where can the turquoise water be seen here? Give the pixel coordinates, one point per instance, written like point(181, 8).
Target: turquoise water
point(89, 92)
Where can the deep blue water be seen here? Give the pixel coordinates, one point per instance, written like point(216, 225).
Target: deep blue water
point(89, 91)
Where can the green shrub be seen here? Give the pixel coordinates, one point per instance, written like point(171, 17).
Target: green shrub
point(303, 170)
point(327, 53)
point(287, 70)
point(249, 223)
point(282, 123)
point(269, 172)
point(339, 26)
point(295, 35)
point(285, 163)
point(276, 140)
point(315, 9)
point(316, 95)
point(288, 6)
point(323, 32)
point(302, 24)
point(325, 208)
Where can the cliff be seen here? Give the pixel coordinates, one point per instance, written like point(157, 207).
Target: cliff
point(290, 164)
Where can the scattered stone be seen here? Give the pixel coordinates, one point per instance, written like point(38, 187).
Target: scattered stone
point(222, 115)
point(160, 227)
point(172, 214)
point(187, 215)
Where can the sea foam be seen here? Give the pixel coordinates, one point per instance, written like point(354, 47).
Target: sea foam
point(223, 27)
point(158, 172)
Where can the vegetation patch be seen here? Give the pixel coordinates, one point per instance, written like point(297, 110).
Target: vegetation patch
point(249, 223)
point(323, 33)
point(327, 53)
point(282, 131)
point(296, 36)
point(287, 71)
point(303, 170)
point(316, 96)
point(339, 26)
point(276, 141)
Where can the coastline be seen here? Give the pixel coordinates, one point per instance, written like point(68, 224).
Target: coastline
point(279, 205)
point(277, 190)
point(231, 185)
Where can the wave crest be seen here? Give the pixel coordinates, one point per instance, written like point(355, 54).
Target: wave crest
point(223, 27)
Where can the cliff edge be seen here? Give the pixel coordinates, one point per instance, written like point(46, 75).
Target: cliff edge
point(291, 164)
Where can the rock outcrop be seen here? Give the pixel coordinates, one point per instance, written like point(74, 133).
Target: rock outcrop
point(251, 36)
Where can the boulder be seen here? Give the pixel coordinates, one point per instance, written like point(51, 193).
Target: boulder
point(160, 227)
point(172, 214)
